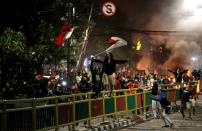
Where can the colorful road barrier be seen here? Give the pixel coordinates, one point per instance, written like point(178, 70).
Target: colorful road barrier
point(57, 111)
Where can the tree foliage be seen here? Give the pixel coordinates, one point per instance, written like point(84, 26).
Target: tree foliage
point(12, 42)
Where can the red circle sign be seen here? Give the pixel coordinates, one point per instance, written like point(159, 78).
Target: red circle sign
point(108, 9)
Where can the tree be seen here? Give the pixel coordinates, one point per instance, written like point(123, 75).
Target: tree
point(12, 48)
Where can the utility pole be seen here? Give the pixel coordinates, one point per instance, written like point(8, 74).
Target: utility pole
point(70, 14)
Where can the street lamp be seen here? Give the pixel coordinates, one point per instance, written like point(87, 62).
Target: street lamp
point(194, 58)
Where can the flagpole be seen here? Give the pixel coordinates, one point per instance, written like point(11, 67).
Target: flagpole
point(79, 66)
point(68, 45)
point(100, 53)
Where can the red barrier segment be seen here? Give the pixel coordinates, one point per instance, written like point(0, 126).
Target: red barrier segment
point(96, 108)
point(140, 100)
point(120, 104)
point(65, 114)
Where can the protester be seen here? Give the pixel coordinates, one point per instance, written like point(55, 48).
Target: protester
point(110, 68)
point(155, 104)
point(165, 106)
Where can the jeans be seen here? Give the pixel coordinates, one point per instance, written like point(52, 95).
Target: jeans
point(155, 107)
point(165, 117)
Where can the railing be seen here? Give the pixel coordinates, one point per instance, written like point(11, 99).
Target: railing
point(54, 112)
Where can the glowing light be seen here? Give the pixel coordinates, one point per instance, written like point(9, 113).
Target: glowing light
point(138, 45)
point(193, 6)
point(189, 73)
point(193, 58)
point(64, 83)
point(198, 86)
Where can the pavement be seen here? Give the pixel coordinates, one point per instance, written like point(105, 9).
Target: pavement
point(180, 124)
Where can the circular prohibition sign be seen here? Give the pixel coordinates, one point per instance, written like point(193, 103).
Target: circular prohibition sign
point(108, 9)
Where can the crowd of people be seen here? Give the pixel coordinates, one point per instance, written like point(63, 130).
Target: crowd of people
point(103, 76)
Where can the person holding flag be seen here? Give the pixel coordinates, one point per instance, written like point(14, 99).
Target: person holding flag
point(109, 63)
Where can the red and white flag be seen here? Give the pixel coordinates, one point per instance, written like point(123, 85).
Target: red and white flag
point(115, 42)
point(65, 34)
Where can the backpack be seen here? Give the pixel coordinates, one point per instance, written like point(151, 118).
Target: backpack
point(164, 103)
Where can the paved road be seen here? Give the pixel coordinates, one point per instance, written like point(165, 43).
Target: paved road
point(180, 124)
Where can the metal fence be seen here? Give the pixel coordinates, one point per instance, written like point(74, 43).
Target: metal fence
point(54, 112)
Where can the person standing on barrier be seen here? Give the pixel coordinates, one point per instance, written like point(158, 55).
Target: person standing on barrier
point(155, 103)
point(97, 75)
point(165, 106)
point(110, 68)
point(178, 75)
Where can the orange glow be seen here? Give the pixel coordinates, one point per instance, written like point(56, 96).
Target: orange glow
point(198, 86)
point(189, 73)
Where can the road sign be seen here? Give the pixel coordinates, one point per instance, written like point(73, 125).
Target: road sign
point(108, 9)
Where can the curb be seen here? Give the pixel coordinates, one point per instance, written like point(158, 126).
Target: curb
point(115, 125)
point(118, 124)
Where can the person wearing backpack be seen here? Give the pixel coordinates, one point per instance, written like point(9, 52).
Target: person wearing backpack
point(165, 106)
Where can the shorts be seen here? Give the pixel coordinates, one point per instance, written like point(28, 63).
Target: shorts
point(193, 102)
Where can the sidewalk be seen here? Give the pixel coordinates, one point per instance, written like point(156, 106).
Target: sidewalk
point(180, 124)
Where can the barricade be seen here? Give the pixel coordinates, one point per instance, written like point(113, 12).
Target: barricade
point(55, 112)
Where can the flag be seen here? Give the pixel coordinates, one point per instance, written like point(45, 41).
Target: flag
point(66, 33)
point(111, 41)
point(115, 43)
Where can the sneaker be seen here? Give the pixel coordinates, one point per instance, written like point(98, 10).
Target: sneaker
point(171, 125)
point(165, 126)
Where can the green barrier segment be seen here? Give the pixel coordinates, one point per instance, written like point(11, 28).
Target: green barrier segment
point(131, 102)
point(109, 106)
point(178, 95)
point(45, 118)
point(82, 110)
point(148, 96)
point(65, 110)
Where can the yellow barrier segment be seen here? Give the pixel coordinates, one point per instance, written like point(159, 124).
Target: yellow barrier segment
point(144, 104)
point(103, 106)
point(56, 113)
point(89, 111)
point(74, 114)
point(136, 105)
point(175, 91)
point(34, 115)
point(126, 103)
point(115, 108)
point(4, 116)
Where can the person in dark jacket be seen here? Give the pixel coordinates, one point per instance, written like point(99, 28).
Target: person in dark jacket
point(187, 95)
point(110, 64)
point(110, 68)
point(84, 84)
point(196, 74)
point(97, 74)
point(178, 74)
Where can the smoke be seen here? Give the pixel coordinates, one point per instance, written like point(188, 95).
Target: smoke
point(179, 47)
point(166, 15)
